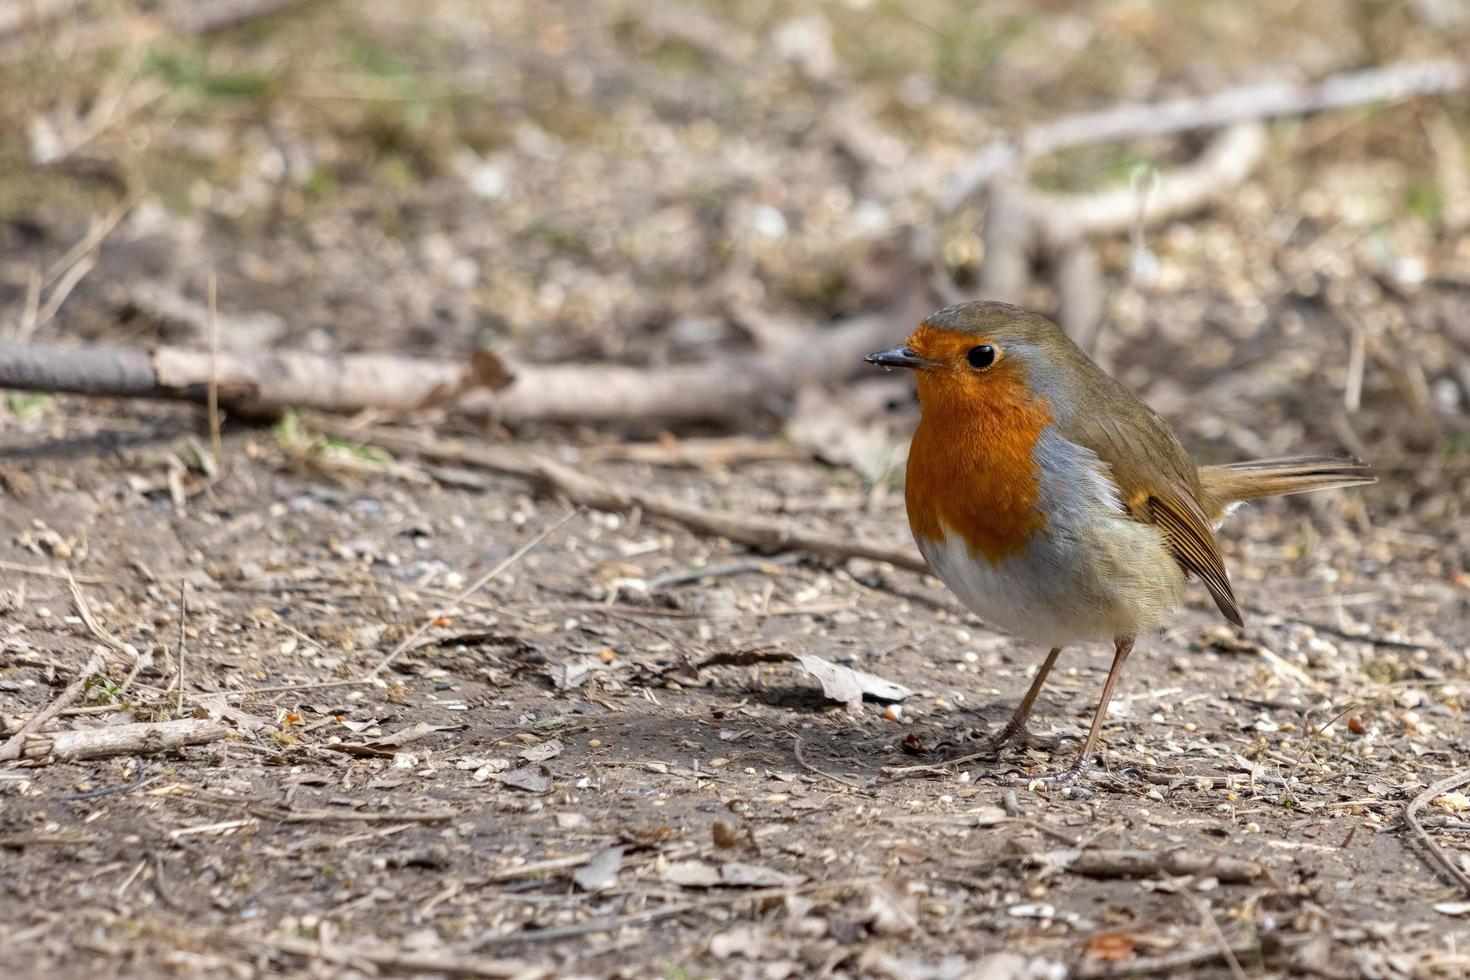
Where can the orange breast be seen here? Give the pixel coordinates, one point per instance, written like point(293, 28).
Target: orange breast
point(971, 470)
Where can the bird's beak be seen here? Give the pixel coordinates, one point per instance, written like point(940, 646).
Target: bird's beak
point(897, 357)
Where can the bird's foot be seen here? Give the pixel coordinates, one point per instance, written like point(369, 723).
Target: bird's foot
point(1022, 736)
point(1074, 779)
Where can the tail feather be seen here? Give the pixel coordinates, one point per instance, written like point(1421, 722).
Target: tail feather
point(1235, 483)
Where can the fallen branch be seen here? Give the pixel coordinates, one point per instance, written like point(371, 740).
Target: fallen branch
point(143, 738)
point(15, 747)
point(1176, 964)
point(389, 958)
point(1157, 864)
point(257, 383)
point(264, 383)
point(343, 815)
point(1224, 165)
point(1137, 864)
point(722, 389)
point(199, 19)
point(224, 15)
point(763, 533)
point(1022, 222)
point(1250, 103)
point(1438, 857)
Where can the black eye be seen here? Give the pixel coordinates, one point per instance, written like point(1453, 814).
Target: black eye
point(981, 356)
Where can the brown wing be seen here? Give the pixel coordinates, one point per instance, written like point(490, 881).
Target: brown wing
point(1193, 545)
point(1157, 479)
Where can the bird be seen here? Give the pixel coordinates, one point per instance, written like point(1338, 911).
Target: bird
point(1057, 505)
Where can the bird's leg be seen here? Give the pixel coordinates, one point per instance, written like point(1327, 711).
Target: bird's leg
point(1016, 728)
point(1122, 647)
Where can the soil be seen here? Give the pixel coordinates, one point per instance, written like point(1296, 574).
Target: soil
point(545, 777)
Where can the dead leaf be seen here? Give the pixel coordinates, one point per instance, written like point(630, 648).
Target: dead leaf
point(541, 752)
point(847, 685)
point(215, 708)
point(600, 873)
point(489, 371)
point(1111, 946)
point(570, 674)
point(650, 834)
point(532, 779)
point(691, 874)
point(744, 941)
point(1456, 802)
point(725, 835)
point(741, 875)
point(410, 734)
point(839, 683)
point(893, 908)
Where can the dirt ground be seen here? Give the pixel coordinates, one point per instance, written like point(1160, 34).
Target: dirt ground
point(543, 783)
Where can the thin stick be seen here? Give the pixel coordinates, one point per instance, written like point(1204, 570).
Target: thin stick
point(476, 586)
point(287, 688)
point(214, 439)
point(1235, 105)
point(15, 566)
point(14, 747)
point(183, 640)
point(142, 738)
point(94, 627)
point(389, 958)
point(938, 768)
point(796, 745)
point(761, 532)
point(613, 923)
point(1411, 820)
point(1176, 964)
point(1352, 395)
point(94, 237)
point(62, 290)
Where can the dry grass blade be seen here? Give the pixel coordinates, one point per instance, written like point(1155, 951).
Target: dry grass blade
point(474, 587)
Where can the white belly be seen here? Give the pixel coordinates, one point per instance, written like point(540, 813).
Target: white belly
point(1092, 574)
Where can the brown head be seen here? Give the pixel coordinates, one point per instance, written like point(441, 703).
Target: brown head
point(989, 354)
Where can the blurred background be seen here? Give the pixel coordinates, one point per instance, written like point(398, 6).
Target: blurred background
point(669, 183)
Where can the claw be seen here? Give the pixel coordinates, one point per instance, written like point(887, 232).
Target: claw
point(1073, 779)
point(1027, 739)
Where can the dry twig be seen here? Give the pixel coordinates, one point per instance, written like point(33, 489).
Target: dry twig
point(1174, 964)
point(801, 758)
point(762, 533)
point(264, 383)
point(1156, 864)
point(143, 738)
point(447, 963)
point(1411, 820)
point(256, 383)
point(1250, 103)
point(16, 747)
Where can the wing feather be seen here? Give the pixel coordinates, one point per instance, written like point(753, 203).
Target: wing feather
point(1158, 481)
point(1192, 543)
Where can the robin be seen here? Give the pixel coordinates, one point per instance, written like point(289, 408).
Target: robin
point(1058, 506)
